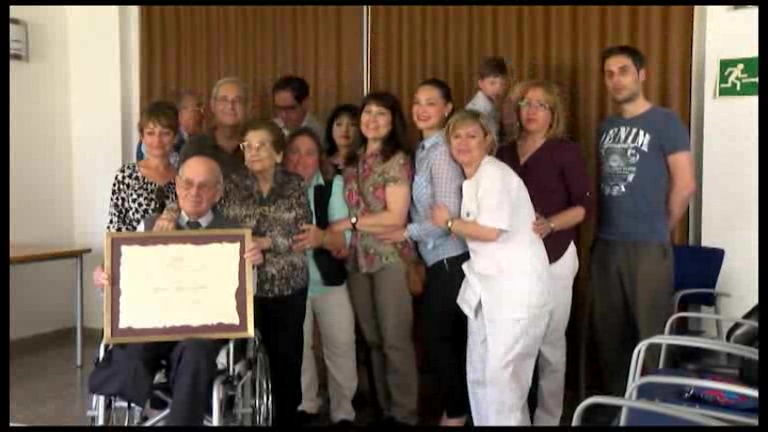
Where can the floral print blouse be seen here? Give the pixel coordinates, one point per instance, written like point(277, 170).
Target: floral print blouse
point(364, 191)
point(279, 216)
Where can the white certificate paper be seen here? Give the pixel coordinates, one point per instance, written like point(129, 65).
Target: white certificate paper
point(178, 285)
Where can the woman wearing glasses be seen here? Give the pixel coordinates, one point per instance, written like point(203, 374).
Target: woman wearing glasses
point(273, 202)
point(555, 174)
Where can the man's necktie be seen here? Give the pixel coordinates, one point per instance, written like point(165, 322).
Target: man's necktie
point(193, 225)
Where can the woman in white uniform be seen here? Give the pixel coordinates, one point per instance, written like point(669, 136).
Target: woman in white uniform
point(505, 294)
point(555, 174)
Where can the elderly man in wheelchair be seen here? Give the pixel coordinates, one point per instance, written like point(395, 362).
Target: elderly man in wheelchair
point(126, 375)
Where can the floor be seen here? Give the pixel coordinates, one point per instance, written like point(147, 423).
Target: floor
point(46, 388)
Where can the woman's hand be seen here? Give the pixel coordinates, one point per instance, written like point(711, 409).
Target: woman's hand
point(263, 243)
point(100, 277)
point(541, 226)
point(440, 215)
point(253, 255)
point(394, 236)
point(311, 237)
point(339, 226)
point(166, 221)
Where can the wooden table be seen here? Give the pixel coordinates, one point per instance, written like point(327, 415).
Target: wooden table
point(24, 254)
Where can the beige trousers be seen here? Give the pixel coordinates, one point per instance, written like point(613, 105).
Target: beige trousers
point(384, 310)
point(333, 312)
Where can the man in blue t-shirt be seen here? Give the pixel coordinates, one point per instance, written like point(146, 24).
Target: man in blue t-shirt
point(646, 182)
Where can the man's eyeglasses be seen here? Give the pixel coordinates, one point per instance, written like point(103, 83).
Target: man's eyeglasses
point(286, 108)
point(188, 185)
point(533, 106)
point(198, 109)
point(225, 101)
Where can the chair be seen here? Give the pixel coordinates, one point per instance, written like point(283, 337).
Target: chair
point(697, 269)
point(241, 393)
point(676, 386)
point(691, 394)
point(665, 415)
point(743, 332)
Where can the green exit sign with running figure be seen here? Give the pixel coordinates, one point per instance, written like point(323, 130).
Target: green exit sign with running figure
point(738, 77)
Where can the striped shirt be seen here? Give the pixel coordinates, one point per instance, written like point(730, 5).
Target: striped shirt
point(438, 179)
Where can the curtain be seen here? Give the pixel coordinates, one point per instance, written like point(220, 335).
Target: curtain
point(557, 43)
point(191, 47)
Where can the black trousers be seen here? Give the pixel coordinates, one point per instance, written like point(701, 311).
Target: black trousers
point(445, 333)
point(280, 321)
point(128, 372)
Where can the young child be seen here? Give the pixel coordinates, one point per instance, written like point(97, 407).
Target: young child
point(492, 85)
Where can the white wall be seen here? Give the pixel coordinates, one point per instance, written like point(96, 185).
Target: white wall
point(68, 137)
point(96, 106)
point(41, 295)
point(730, 159)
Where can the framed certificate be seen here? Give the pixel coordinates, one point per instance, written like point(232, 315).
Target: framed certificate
point(175, 285)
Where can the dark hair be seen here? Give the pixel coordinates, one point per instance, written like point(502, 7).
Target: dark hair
point(634, 54)
point(278, 138)
point(341, 110)
point(295, 84)
point(493, 66)
point(161, 113)
point(181, 95)
point(397, 138)
point(442, 87)
point(307, 132)
point(326, 170)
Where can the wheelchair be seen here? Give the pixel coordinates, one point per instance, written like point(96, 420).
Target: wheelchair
point(241, 393)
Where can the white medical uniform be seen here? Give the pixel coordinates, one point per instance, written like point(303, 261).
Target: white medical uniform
point(505, 296)
point(549, 407)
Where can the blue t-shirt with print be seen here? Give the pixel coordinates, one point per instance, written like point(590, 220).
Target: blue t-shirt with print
point(634, 175)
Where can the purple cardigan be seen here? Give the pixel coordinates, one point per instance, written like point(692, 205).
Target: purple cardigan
point(556, 178)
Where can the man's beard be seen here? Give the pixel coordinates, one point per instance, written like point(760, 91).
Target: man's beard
point(629, 98)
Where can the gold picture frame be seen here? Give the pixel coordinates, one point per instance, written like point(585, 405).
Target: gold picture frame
point(114, 334)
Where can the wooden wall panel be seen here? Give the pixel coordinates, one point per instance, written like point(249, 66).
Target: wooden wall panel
point(191, 47)
point(558, 43)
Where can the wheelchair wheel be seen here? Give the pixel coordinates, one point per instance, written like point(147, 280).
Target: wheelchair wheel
point(261, 388)
point(109, 411)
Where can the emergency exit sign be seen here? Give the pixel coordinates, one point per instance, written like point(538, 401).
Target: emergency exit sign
point(738, 77)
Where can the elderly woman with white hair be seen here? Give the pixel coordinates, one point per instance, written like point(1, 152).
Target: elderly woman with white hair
point(504, 294)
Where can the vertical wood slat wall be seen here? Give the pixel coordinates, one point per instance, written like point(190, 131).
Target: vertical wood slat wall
point(558, 43)
point(191, 47)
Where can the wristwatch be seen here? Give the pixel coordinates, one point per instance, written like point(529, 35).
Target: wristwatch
point(551, 226)
point(449, 225)
point(353, 221)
